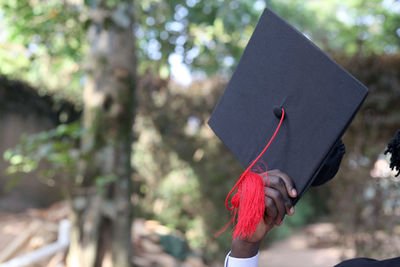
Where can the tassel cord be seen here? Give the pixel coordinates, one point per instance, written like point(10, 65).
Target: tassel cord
point(243, 175)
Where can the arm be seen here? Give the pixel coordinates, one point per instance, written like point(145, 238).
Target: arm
point(277, 200)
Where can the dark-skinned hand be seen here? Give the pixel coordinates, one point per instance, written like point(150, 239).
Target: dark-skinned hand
point(278, 193)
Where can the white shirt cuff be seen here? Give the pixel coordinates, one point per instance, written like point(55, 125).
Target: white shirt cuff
point(241, 262)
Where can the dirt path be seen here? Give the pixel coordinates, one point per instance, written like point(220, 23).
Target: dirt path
point(313, 246)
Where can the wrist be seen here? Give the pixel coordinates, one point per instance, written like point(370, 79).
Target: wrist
point(244, 249)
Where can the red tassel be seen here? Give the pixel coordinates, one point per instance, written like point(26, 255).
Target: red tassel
point(248, 203)
point(252, 205)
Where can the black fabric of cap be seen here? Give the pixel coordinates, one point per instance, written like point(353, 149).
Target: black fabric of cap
point(281, 67)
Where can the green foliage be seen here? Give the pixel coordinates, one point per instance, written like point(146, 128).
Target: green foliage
point(211, 35)
point(103, 181)
point(53, 155)
point(55, 149)
point(174, 246)
point(44, 41)
point(169, 187)
point(346, 27)
point(183, 191)
point(182, 175)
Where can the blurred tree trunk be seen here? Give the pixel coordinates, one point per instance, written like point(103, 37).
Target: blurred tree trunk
point(102, 213)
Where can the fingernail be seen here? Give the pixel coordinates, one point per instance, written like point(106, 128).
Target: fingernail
point(291, 210)
point(294, 192)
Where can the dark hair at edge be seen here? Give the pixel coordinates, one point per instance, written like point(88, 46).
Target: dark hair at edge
point(393, 148)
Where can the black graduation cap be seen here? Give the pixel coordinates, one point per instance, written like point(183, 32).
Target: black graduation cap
point(282, 68)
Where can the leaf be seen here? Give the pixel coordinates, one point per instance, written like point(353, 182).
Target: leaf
point(12, 183)
point(7, 154)
point(16, 159)
point(103, 181)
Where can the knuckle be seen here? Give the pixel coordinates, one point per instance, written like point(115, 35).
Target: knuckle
point(273, 212)
point(280, 216)
point(281, 182)
point(275, 180)
point(272, 172)
point(274, 193)
point(281, 210)
point(268, 220)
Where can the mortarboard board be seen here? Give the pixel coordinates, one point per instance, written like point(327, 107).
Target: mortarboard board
point(282, 69)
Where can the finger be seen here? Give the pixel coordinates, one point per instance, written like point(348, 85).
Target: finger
point(277, 183)
point(271, 211)
point(279, 203)
point(289, 184)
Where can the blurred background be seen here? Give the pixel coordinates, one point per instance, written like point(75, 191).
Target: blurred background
point(107, 159)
